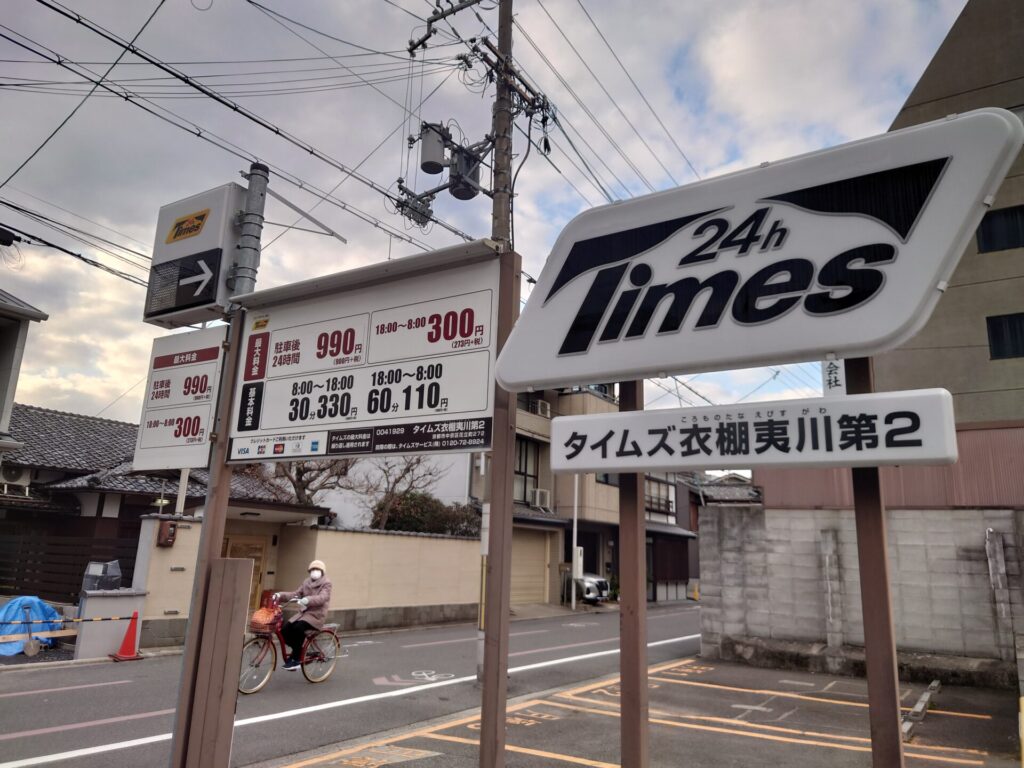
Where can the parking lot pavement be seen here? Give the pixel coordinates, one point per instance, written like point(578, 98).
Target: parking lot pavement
point(709, 714)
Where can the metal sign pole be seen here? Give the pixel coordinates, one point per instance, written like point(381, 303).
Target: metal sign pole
point(876, 601)
point(203, 698)
point(632, 602)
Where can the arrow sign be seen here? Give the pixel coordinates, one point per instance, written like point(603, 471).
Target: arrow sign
point(189, 281)
point(202, 278)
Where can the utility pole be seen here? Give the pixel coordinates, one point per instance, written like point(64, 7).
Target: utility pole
point(499, 559)
point(205, 714)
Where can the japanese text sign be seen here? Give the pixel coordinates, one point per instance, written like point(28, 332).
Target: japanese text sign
point(402, 365)
point(181, 394)
point(912, 427)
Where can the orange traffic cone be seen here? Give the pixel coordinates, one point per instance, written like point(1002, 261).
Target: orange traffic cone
point(128, 652)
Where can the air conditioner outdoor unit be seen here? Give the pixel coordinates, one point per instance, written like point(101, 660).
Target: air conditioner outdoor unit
point(544, 409)
point(14, 476)
point(540, 497)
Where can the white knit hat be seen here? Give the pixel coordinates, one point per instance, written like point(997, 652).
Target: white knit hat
point(317, 564)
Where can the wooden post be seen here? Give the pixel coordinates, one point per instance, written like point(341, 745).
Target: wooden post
point(876, 601)
point(633, 602)
point(192, 698)
point(213, 711)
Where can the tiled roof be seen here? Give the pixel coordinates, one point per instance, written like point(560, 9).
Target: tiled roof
point(120, 479)
point(536, 514)
point(726, 493)
point(68, 441)
point(11, 305)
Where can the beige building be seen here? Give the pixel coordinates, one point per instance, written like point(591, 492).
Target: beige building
point(973, 345)
point(543, 505)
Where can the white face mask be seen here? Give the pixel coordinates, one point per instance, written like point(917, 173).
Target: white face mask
point(315, 574)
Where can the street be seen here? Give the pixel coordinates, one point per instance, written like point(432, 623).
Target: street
point(121, 714)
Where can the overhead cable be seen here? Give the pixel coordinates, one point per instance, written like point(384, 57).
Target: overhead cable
point(80, 104)
point(213, 139)
point(611, 98)
point(611, 50)
point(237, 108)
point(30, 239)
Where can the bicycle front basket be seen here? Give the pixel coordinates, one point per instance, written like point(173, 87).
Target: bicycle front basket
point(264, 620)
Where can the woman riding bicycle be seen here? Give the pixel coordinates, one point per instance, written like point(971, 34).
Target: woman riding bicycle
point(313, 597)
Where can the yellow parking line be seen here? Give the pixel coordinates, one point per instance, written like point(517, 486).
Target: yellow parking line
point(777, 728)
point(527, 751)
point(418, 733)
point(615, 678)
point(767, 736)
point(805, 697)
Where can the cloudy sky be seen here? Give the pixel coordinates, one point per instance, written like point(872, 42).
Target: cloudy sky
point(712, 87)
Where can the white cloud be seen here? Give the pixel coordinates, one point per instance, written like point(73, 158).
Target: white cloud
point(736, 83)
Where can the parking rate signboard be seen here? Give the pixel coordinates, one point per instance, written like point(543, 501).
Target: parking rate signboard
point(181, 394)
point(402, 366)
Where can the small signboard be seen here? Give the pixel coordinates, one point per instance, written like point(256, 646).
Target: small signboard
point(912, 427)
point(181, 395)
point(833, 378)
point(838, 253)
point(195, 243)
point(393, 358)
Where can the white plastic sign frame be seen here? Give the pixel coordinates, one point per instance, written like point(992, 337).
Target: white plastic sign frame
point(838, 253)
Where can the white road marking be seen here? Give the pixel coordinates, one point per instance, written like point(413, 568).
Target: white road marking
point(798, 682)
point(749, 707)
point(65, 688)
point(113, 747)
point(472, 639)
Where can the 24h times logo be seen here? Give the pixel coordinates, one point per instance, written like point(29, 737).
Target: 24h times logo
point(187, 226)
point(738, 261)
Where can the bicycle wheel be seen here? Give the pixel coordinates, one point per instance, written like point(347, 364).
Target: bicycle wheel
point(319, 655)
point(259, 657)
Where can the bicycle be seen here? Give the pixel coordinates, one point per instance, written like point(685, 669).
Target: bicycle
point(317, 657)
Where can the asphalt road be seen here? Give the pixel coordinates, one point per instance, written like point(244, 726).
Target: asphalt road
point(103, 715)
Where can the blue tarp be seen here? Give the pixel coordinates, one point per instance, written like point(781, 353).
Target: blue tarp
point(15, 611)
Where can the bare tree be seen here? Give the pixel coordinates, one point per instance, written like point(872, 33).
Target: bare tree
point(387, 481)
point(303, 482)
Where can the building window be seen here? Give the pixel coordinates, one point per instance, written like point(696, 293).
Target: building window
point(1001, 230)
point(657, 498)
point(607, 478)
point(1006, 336)
point(524, 480)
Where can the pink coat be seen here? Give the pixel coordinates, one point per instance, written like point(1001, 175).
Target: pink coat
point(319, 594)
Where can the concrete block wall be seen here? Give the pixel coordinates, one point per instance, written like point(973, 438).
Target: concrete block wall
point(792, 575)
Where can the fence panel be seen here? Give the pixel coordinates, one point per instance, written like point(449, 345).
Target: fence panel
point(52, 567)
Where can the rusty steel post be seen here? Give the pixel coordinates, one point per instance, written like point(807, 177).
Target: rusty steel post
point(633, 602)
point(876, 600)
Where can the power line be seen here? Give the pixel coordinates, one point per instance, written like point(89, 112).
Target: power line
point(763, 383)
point(30, 239)
point(545, 155)
point(587, 111)
point(615, 103)
point(212, 138)
point(358, 165)
point(76, 235)
point(85, 98)
point(611, 50)
point(133, 386)
point(44, 219)
point(78, 216)
point(237, 108)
